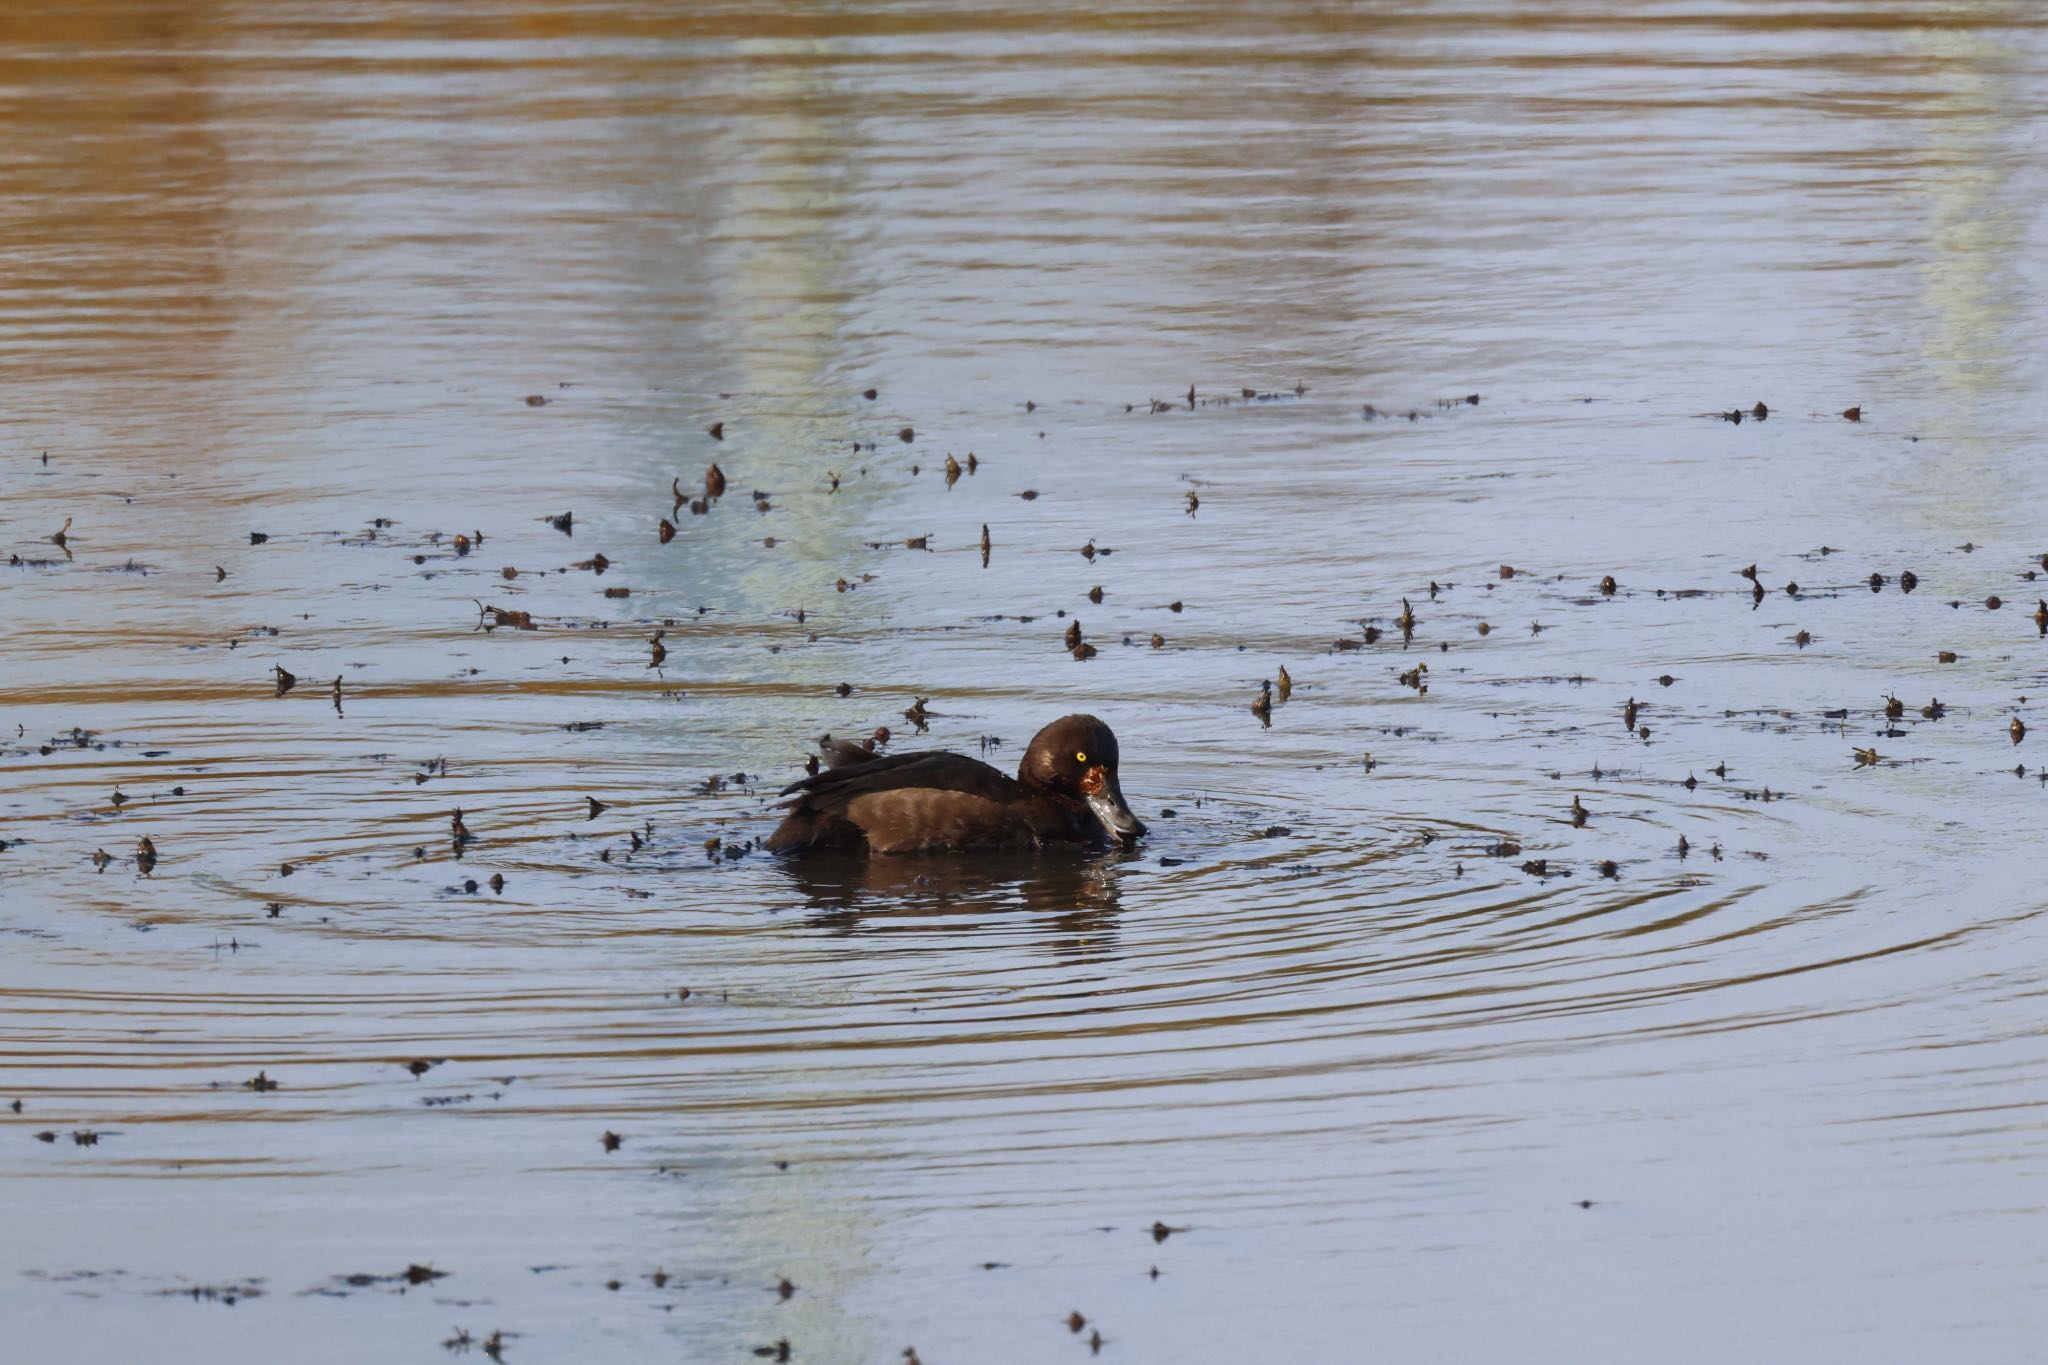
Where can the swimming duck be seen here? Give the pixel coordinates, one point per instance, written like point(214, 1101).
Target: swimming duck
point(1065, 792)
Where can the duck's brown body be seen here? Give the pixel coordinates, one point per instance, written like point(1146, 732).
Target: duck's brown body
point(1065, 792)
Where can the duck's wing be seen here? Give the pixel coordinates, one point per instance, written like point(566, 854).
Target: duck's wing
point(894, 772)
point(896, 804)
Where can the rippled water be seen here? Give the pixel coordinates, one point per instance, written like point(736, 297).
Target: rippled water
point(299, 271)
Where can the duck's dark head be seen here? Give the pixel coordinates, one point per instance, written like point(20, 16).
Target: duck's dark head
point(1076, 756)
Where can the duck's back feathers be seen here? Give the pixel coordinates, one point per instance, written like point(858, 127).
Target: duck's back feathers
point(943, 771)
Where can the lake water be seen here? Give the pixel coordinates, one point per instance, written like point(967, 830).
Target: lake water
point(360, 278)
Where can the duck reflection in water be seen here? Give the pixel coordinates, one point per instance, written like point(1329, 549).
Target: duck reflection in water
point(847, 892)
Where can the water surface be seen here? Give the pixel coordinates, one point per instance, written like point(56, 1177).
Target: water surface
point(302, 271)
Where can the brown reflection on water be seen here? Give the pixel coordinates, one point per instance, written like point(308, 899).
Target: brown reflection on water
point(1365, 1018)
point(115, 187)
point(1078, 895)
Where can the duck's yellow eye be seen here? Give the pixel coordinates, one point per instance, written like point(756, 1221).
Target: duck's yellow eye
point(1080, 758)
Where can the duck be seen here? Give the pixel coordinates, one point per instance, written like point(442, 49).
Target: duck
point(1066, 791)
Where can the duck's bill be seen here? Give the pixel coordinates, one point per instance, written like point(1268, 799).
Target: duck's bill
point(1107, 801)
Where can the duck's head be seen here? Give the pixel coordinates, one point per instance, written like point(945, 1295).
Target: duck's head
point(1076, 756)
